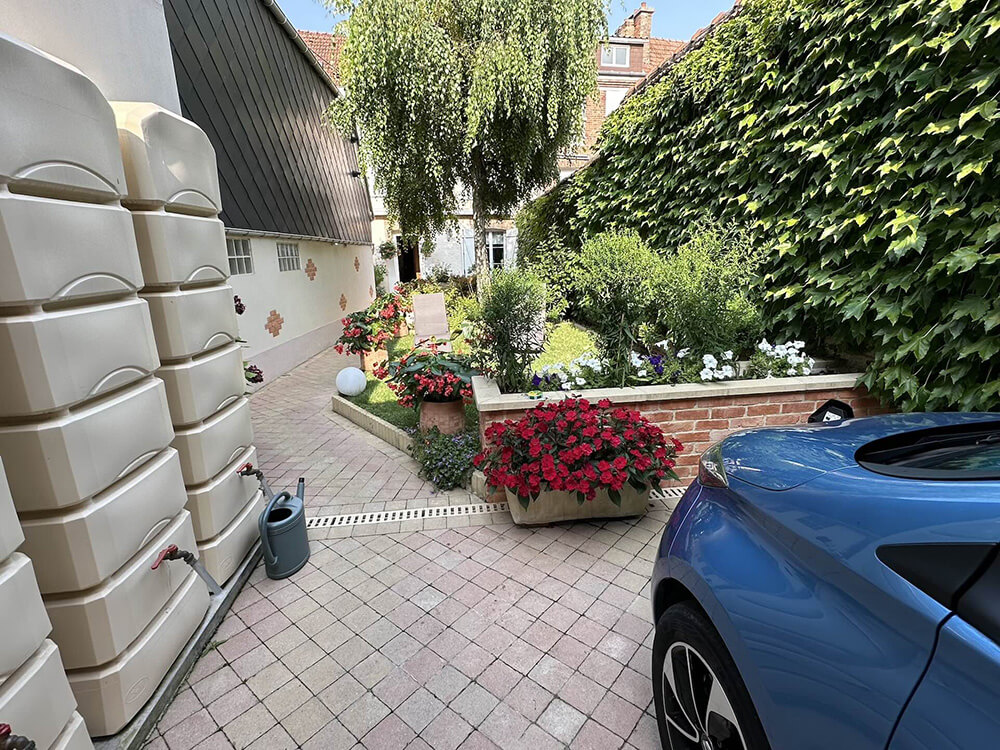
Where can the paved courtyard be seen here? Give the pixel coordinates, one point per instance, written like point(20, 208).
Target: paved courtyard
point(477, 635)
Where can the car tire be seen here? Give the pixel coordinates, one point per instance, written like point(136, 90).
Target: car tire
point(696, 715)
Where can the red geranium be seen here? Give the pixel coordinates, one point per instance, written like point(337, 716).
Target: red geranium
point(428, 375)
point(363, 333)
point(573, 445)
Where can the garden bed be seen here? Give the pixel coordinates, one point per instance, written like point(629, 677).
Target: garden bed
point(698, 414)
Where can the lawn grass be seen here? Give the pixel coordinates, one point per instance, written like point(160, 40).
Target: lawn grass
point(566, 342)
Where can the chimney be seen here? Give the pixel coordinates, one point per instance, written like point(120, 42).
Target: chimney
point(639, 25)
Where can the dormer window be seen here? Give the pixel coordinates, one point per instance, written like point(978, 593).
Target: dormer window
point(614, 55)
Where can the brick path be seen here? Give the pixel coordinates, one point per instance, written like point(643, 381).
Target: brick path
point(468, 637)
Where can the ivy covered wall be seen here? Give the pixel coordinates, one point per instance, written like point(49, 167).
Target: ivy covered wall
point(857, 140)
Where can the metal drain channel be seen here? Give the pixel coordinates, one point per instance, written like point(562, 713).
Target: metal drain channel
point(407, 514)
point(665, 492)
point(439, 511)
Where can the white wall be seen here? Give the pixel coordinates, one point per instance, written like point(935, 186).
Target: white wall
point(122, 45)
point(310, 310)
point(452, 248)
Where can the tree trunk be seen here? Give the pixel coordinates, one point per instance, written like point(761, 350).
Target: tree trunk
point(479, 222)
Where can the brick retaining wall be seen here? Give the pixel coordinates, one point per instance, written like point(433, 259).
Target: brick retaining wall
point(700, 415)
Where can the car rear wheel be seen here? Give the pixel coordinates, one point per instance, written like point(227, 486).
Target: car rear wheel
point(701, 702)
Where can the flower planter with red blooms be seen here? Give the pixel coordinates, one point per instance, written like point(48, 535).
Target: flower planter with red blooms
point(438, 383)
point(363, 334)
point(572, 460)
point(390, 310)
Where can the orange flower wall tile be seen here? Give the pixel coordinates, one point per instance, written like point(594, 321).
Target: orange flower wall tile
point(311, 270)
point(357, 263)
point(274, 323)
point(343, 302)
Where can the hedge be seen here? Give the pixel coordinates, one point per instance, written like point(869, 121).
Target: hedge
point(855, 139)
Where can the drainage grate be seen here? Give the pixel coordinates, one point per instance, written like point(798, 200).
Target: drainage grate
point(665, 493)
point(440, 511)
point(408, 514)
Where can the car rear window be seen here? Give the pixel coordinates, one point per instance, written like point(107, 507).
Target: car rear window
point(956, 452)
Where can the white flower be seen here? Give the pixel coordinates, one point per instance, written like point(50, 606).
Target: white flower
point(682, 353)
point(792, 371)
point(706, 374)
point(764, 346)
point(641, 373)
point(728, 371)
point(635, 359)
point(709, 361)
point(727, 354)
point(665, 344)
point(565, 386)
point(581, 381)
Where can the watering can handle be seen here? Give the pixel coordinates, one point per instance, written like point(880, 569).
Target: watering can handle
point(262, 526)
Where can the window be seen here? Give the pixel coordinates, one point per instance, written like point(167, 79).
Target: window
point(494, 246)
point(967, 450)
point(615, 55)
point(612, 98)
point(240, 259)
point(288, 256)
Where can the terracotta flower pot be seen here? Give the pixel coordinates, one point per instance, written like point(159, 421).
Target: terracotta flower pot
point(370, 359)
point(551, 507)
point(402, 329)
point(447, 416)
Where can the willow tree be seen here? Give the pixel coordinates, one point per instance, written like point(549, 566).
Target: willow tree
point(472, 98)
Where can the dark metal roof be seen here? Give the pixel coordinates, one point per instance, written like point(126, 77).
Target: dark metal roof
point(252, 85)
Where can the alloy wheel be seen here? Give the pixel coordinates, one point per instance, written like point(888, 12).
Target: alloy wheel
point(699, 714)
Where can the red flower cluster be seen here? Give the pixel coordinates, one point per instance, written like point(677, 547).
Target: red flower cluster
point(391, 307)
point(575, 446)
point(361, 334)
point(428, 375)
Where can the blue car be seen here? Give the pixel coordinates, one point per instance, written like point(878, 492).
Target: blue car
point(835, 586)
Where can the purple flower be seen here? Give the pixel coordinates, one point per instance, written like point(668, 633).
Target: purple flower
point(536, 381)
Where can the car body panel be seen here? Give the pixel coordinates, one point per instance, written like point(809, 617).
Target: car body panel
point(830, 641)
point(780, 458)
point(957, 705)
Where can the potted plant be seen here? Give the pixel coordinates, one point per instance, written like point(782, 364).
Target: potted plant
point(388, 250)
point(435, 382)
point(391, 310)
point(363, 334)
point(571, 459)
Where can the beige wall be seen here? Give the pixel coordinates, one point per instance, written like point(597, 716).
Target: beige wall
point(309, 309)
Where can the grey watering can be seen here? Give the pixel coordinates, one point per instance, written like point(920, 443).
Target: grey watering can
point(282, 527)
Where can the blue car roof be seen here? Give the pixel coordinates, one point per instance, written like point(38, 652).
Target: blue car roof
point(779, 458)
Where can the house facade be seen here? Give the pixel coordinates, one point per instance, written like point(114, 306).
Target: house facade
point(294, 203)
point(623, 60)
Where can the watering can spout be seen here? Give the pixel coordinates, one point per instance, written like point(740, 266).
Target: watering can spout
point(300, 491)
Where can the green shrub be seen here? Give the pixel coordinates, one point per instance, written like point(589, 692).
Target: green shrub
point(461, 308)
point(856, 140)
point(380, 272)
point(615, 295)
point(708, 294)
point(445, 460)
point(439, 272)
point(510, 331)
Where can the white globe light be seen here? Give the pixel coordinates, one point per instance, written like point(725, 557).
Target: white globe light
point(351, 382)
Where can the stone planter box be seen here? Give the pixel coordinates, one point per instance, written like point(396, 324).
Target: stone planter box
point(369, 360)
point(699, 414)
point(447, 416)
point(551, 507)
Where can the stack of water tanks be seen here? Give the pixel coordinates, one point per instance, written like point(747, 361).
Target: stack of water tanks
point(173, 194)
point(85, 433)
point(35, 697)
